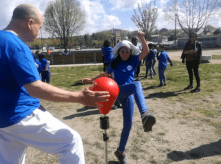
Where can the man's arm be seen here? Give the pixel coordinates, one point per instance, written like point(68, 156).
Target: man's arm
point(41, 90)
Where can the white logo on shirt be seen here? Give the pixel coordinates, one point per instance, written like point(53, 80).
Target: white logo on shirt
point(129, 67)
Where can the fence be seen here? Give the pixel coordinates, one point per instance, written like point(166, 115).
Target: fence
point(75, 57)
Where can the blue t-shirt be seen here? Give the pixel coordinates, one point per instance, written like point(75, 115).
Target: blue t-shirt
point(108, 55)
point(44, 64)
point(124, 73)
point(151, 55)
point(17, 68)
point(163, 59)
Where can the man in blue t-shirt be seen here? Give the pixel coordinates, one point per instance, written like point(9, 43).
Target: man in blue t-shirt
point(23, 121)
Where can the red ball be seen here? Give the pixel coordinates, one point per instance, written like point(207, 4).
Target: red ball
point(107, 84)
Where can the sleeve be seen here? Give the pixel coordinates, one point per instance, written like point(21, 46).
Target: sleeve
point(109, 69)
point(23, 67)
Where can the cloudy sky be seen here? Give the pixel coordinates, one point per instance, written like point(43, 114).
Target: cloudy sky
point(100, 14)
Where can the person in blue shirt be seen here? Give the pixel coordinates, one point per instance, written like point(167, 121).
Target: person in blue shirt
point(107, 54)
point(154, 59)
point(37, 62)
point(149, 61)
point(23, 121)
point(163, 58)
point(45, 69)
point(123, 66)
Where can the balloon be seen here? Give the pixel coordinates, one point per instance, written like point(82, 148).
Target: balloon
point(106, 84)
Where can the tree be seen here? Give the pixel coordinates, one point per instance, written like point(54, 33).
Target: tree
point(63, 18)
point(217, 31)
point(191, 15)
point(147, 18)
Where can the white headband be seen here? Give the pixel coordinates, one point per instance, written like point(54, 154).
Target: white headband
point(128, 44)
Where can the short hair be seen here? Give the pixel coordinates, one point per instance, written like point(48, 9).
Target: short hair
point(106, 43)
point(25, 11)
point(162, 45)
point(134, 40)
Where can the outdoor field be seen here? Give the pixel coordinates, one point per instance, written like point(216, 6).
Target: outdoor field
point(188, 127)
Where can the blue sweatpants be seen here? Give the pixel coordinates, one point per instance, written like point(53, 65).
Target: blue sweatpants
point(162, 76)
point(125, 97)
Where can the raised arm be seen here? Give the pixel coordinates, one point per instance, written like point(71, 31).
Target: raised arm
point(145, 48)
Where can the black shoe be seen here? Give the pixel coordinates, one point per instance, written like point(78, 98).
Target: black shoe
point(145, 76)
point(197, 89)
point(188, 87)
point(148, 121)
point(116, 105)
point(121, 157)
point(161, 85)
point(164, 84)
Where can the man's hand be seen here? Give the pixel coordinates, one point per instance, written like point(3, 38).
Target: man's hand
point(91, 98)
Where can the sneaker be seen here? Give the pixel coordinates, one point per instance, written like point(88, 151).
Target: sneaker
point(188, 87)
point(161, 85)
point(148, 121)
point(197, 89)
point(137, 78)
point(145, 76)
point(116, 105)
point(121, 157)
point(164, 84)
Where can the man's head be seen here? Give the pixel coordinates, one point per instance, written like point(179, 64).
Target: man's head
point(26, 22)
point(193, 37)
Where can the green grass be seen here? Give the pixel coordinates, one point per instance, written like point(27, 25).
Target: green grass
point(177, 78)
point(216, 56)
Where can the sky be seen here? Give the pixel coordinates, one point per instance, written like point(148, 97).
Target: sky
point(101, 14)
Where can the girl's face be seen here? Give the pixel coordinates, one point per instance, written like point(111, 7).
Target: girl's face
point(124, 53)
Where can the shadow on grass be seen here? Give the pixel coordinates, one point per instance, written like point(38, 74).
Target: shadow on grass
point(86, 112)
point(113, 162)
point(165, 94)
point(206, 150)
point(78, 82)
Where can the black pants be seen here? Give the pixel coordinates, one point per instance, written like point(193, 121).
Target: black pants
point(193, 67)
point(137, 71)
point(105, 66)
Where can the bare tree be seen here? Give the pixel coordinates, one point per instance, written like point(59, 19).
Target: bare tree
point(146, 19)
point(191, 15)
point(63, 18)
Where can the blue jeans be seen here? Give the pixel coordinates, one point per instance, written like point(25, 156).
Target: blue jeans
point(125, 97)
point(154, 71)
point(162, 76)
point(149, 64)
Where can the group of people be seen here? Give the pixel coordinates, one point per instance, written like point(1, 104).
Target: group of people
point(25, 122)
point(42, 65)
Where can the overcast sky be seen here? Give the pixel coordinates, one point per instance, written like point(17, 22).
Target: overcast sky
point(100, 14)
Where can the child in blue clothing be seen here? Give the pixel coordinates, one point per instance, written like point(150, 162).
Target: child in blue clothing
point(163, 58)
point(123, 66)
point(45, 70)
point(149, 61)
point(107, 54)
